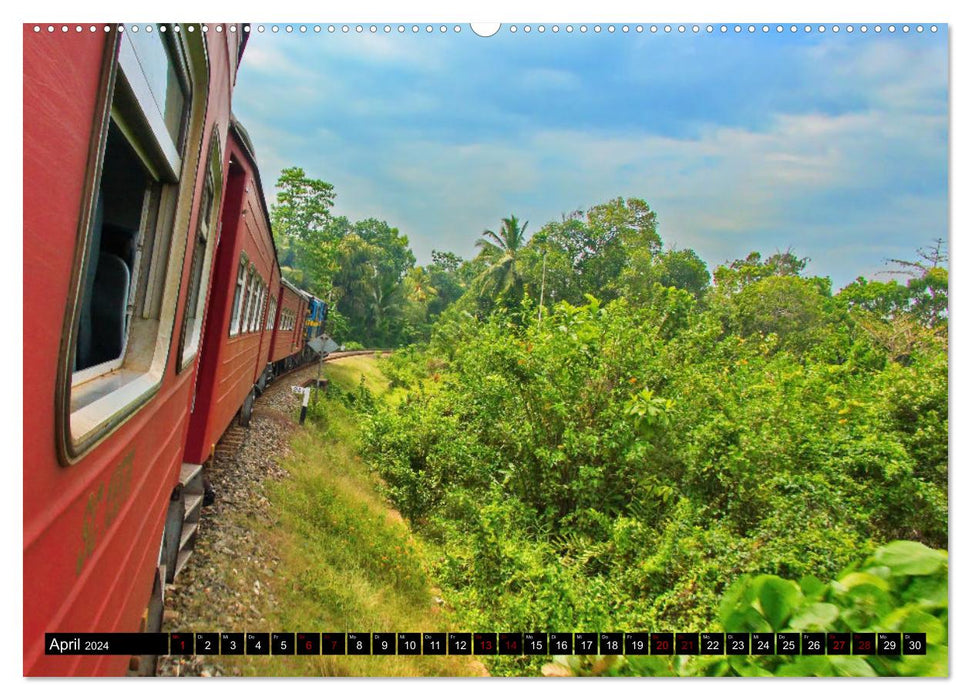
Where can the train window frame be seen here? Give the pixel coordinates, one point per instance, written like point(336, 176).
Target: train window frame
point(190, 339)
point(93, 401)
point(261, 318)
point(248, 305)
point(239, 296)
point(271, 315)
point(133, 63)
point(255, 322)
point(248, 300)
point(256, 304)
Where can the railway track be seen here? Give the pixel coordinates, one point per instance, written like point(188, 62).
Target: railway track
point(208, 594)
point(332, 356)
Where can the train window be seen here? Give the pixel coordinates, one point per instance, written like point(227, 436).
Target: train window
point(271, 316)
point(155, 71)
point(238, 298)
point(247, 308)
point(254, 311)
point(124, 196)
point(133, 237)
point(261, 320)
point(202, 254)
point(254, 319)
point(258, 312)
point(250, 283)
point(250, 298)
point(256, 302)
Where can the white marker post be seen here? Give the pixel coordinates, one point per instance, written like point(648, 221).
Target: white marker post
point(305, 391)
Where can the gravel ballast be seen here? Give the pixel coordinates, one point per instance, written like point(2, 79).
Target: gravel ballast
point(223, 587)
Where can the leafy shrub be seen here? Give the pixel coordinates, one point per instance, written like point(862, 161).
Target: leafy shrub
point(617, 466)
point(901, 587)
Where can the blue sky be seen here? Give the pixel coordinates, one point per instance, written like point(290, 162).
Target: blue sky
point(834, 145)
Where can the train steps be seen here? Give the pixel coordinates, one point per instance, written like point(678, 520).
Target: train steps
point(182, 521)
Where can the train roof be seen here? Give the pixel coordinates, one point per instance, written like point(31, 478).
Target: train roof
point(295, 289)
point(244, 140)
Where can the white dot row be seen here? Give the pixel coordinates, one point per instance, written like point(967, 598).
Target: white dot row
point(555, 28)
point(149, 28)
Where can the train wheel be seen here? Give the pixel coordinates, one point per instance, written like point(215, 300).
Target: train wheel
point(246, 412)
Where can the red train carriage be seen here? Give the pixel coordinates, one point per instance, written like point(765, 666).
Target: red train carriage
point(288, 334)
point(124, 159)
point(236, 346)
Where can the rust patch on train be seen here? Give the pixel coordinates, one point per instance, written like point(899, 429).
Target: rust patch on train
point(102, 507)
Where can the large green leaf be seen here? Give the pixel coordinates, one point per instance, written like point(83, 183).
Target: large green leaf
point(927, 590)
point(863, 605)
point(811, 586)
point(777, 598)
point(853, 666)
point(909, 558)
point(859, 578)
point(817, 616)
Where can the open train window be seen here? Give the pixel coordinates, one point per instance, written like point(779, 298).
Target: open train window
point(253, 308)
point(202, 255)
point(250, 297)
point(259, 324)
point(250, 294)
point(238, 298)
point(271, 316)
point(131, 246)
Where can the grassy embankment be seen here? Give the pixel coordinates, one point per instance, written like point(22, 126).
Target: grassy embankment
point(348, 561)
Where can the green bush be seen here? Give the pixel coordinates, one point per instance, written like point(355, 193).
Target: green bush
point(901, 587)
point(618, 466)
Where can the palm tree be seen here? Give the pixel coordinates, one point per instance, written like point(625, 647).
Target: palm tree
point(419, 285)
point(383, 308)
point(501, 251)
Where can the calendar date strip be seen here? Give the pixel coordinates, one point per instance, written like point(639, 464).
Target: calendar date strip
point(487, 643)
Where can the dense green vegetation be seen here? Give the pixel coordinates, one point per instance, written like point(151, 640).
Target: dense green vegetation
point(598, 434)
point(902, 587)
